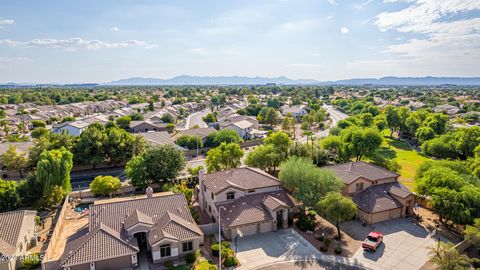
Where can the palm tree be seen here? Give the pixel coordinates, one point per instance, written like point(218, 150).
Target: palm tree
point(446, 257)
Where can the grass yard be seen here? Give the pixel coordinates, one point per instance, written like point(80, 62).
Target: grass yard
point(407, 157)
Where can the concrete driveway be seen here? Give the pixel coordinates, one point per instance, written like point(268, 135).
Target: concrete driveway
point(267, 249)
point(405, 244)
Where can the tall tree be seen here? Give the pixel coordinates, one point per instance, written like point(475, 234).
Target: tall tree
point(13, 160)
point(9, 198)
point(446, 257)
point(105, 185)
point(307, 182)
point(361, 142)
point(393, 119)
point(224, 157)
point(337, 208)
point(90, 147)
point(53, 169)
point(154, 165)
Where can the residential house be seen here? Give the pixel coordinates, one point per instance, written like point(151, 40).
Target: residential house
point(297, 111)
point(157, 138)
point(249, 201)
point(146, 126)
point(376, 191)
point(74, 128)
point(161, 226)
point(447, 108)
point(243, 128)
point(17, 235)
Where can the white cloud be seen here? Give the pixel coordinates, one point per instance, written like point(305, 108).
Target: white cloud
point(114, 29)
point(333, 2)
point(344, 30)
point(199, 50)
point(330, 17)
point(13, 60)
point(73, 44)
point(6, 22)
point(443, 35)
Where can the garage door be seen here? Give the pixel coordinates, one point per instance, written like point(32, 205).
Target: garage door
point(386, 215)
point(245, 230)
point(266, 227)
point(396, 213)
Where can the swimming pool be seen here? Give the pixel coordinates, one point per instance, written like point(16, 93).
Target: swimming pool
point(79, 208)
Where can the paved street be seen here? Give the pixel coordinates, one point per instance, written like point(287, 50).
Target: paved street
point(335, 116)
point(405, 244)
point(266, 249)
point(196, 119)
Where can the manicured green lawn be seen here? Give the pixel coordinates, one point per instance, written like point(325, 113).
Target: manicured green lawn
point(408, 158)
point(205, 265)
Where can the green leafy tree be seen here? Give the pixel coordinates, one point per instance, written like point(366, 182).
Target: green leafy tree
point(38, 124)
point(472, 233)
point(123, 122)
point(136, 116)
point(446, 257)
point(9, 198)
point(307, 182)
point(281, 143)
point(120, 146)
point(154, 165)
point(271, 117)
point(209, 118)
point(53, 169)
point(39, 132)
point(393, 119)
point(105, 185)
point(15, 161)
point(90, 147)
point(168, 118)
point(264, 157)
point(190, 141)
point(436, 177)
point(424, 134)
point(224, 157)
point(214, 139)
point(360, 142)
point(337, 208)
point(288, 125)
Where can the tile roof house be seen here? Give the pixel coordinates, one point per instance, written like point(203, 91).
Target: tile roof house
point(249, 201)
point(146, 126)
point(161, 225)
point(74, 128)
point(17, 232)
point(376, 191)
point(200, 132)
point(157, 138)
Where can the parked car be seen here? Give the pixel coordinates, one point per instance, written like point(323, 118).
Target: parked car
point(373, 241)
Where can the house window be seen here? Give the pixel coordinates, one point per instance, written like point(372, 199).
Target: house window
point(188, 246)
point(213, 197)
point(205, 188)
point(209, 209)
point(165, 251)
point(359, 187)
point(251, 191)
point(231, 195)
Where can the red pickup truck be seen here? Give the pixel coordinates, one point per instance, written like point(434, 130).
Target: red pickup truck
point(373, 240)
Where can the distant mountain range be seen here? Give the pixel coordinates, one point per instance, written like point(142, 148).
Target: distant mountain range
point(239, 80)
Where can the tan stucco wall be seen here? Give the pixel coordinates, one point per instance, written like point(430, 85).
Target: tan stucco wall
point(173, 244)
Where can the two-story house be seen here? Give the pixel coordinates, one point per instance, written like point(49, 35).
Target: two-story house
point(17, 234)
point(249, 201)
point(376, 191)
point(243, 128)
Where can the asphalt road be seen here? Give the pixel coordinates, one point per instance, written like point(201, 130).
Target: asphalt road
point(335, 115)
point(196, 119)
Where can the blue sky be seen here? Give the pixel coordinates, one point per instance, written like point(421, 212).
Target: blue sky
point(100, 41)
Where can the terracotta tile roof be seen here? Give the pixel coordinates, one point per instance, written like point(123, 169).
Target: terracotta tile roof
point(173, 227)
point(11, 227)
point(245, 178)
point(350, 172)
point(378, 198)
point(100, 244)
point(137, 217)
point(252, 209)
point(168, 216)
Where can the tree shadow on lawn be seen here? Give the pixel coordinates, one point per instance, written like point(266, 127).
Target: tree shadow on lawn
point(399, 144)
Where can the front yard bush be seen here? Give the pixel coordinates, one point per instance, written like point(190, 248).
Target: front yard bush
point(31, 261)
point(338, 249)
point(191, 257)
point(312, 214)
point(215, 248)
point(230, 261)
point(226, 244)
point(169, 264)
point(304, 223)
point(328, 241)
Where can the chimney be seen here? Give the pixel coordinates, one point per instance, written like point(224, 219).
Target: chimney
point(350, 167)
point(149, 192)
